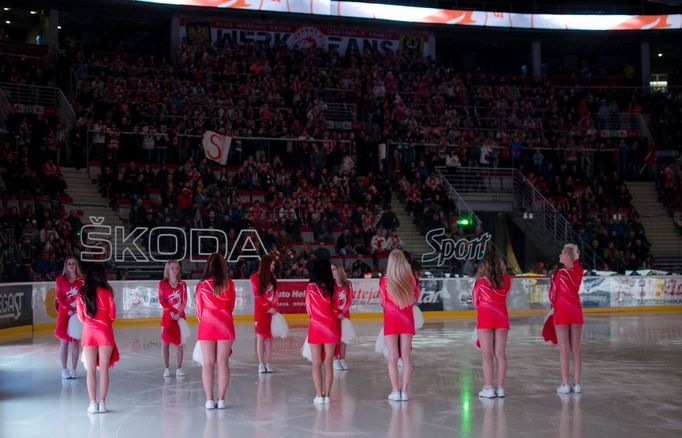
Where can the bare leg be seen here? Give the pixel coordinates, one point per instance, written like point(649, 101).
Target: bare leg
point(63, 353)
point(328, 368)
point(208, 350)
point(316, 351)
point(75, 351)
point(562, 334)
point(406, 352)
point(576, 334)
point(342, 350)
point(179, 354)
point(391, 342)
point(487, 339)
point(501, 355)
point(104, 352)
point(267, 350)
point(222, 360)
point(165, 352)
point(90, 354)
point(260, 348)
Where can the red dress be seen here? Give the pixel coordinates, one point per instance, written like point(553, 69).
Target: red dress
point(215, 312)
point(261, 307)
point(173, 301)
point(324, 327)
point(98, 330)
point(343, 297)
point(397, 321)
point(65, 300)
point(491, 304)
point(563, 294)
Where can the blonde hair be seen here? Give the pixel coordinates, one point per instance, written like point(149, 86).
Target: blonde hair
point(79, 273)
point(166, 269)
point(341, 273)
point(575, 252)
point(400, 279)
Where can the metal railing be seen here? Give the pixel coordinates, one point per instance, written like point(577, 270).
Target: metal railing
point(241, 148)
point(479, 179)
point(40, 96)
point(618, 121)
point(540, 213)
point(547, 221)
point(461, 205)
point(5, 107)
point(341, 112)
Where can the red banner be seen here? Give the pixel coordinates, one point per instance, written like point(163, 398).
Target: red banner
point(291, 296)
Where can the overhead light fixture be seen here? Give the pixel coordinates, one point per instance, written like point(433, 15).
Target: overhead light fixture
point(8, 22)
point(660, 55)
point(59, 27)
point(6, 9)
point(34, 12)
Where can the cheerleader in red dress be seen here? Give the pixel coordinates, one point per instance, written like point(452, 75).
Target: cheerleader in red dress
point(173, 300)
point(324, 332)
point(568, 315)
point(264, 288)
point(97, 310)
point(214, 303)
point(398, 292)
point(343, 298)
point(66, 289)
point(489, 297)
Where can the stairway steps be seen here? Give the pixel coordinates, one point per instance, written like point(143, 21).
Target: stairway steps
point(665, 239)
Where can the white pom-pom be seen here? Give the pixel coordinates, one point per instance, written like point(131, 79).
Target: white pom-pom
point(305, 350)
point(184, 330)
point(278, 326)
point(418, 317)
point(347, 331)
point(380, 344)
point(75, 329)
point(197, 355)
point(474, 339)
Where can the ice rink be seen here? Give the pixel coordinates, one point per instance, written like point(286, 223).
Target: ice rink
point(632, 387)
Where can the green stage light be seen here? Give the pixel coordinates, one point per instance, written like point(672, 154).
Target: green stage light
point(465, 221)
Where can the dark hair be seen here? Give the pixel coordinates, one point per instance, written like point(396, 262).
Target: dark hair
point(492, 267)
point(266, 277)
point(216, 268)
point(321, 275)
point(95, 278)
point(414, 263)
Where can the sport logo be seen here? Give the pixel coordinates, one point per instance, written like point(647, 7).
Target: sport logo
point(164, 243)
point(446, 249)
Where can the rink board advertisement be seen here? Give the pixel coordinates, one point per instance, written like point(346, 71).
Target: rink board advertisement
point(15, 306)
point(139, 299)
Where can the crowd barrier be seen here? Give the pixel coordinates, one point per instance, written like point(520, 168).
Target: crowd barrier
point(33, 304)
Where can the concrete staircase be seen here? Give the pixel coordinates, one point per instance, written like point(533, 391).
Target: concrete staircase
point(87, 198)
point(414, 241)
point(666, 243)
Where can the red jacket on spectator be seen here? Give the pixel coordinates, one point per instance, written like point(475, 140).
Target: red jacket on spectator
point(185, 199)
point(51, 170)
